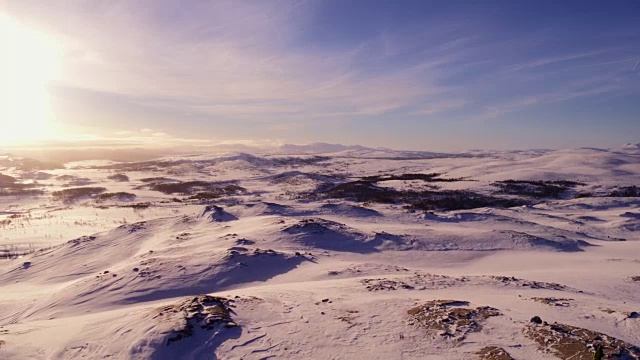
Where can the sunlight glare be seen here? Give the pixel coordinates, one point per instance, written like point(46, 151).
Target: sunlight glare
point(29, 61)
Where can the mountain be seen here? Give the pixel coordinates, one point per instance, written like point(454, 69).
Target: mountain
point(317, 148)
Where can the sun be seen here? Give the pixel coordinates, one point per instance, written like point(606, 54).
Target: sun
point(29, 61)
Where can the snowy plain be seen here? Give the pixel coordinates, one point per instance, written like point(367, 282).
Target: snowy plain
point(354, 254)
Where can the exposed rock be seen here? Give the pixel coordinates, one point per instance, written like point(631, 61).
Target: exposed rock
point(631, 314)
point(118, 177)
point(385, 284)
point(510, 280)
point(204, 311)
point(493, 353)
point(570, 342)
point(449, 317)
point(218, 214)
point(551, 301)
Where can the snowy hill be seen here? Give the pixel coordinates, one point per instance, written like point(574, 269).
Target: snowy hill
point(326, 251)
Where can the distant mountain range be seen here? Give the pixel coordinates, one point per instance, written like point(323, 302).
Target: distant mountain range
point(319, 147)
point(60, 156)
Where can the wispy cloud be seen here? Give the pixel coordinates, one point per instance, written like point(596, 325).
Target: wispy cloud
point(559, 59)
point(248, 62)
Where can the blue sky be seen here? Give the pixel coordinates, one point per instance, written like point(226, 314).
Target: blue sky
point(431, 75)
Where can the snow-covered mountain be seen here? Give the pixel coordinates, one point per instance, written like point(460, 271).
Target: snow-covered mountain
point(316, 148)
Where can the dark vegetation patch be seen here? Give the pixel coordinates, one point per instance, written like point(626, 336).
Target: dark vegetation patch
point(625, 191)
point(432, 177)
point(367, 190)
point(450, 318)
point(118, 177)
point(622, 191)
point(363, 191)
point(75, 194)
point(296, 178)
point(570, 342)
point(20, 192)
point(205, 188)
point(71, 180)
point(536, 189)
point(159, 179)
point(14, 252)
point(460, 200)
point(117, 196)
point(9, 186)
point(216, 193)
point(137, 206)
point(552, 301)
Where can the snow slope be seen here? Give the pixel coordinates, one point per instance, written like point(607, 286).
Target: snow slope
point(296, 270)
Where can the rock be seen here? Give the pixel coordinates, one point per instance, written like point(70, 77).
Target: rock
point(570, 342)
point(493, 353)
point(632, 315)
point(536, 320)
point(551, 301)
point(200, 312)
point(450, 318)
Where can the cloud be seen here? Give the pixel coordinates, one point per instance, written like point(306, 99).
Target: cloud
point(224, 58)
point(250, 63)
point(559, 59)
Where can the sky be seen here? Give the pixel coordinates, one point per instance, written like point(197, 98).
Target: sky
point(408, 74)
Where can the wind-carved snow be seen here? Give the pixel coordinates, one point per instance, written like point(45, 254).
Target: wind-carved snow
point(323, 251)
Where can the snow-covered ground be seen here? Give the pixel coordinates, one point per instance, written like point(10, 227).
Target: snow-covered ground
point(323, 256)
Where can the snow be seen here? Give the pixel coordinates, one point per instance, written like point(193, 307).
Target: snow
point(309, 276)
